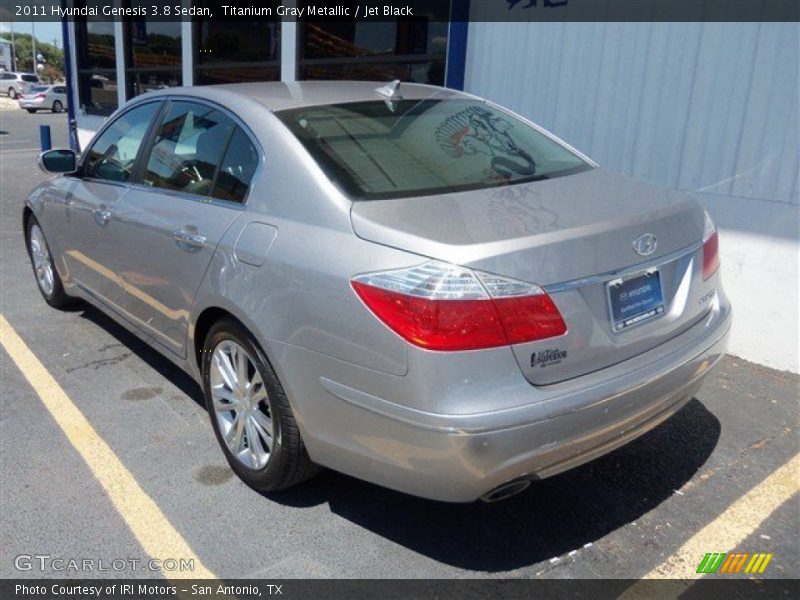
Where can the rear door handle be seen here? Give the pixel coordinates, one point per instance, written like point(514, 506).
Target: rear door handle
point(186, 240)
point(101, 216)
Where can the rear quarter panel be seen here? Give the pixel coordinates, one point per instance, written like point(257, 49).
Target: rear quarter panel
point(300, 294)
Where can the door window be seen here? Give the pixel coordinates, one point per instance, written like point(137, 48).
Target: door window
point(187, 148)
point(112, 156)
point(237, 169)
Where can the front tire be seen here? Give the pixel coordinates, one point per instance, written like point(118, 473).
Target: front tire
point(47, 279)
point(251, 417)
point(57, 107)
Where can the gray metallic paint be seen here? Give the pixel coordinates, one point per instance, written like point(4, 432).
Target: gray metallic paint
point(449, 426)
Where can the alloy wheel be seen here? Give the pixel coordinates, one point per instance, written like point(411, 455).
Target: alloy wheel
point(241, 405)
point(42, 264)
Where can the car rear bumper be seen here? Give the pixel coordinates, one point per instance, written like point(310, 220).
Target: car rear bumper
point(32, 104)
point(460, 458)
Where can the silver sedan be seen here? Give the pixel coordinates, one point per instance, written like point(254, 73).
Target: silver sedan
point(401, 282)
point(44, 97)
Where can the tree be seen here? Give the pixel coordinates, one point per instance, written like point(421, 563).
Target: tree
point(53, 55)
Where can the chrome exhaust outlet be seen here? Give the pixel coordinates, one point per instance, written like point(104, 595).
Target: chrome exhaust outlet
point(506, 490)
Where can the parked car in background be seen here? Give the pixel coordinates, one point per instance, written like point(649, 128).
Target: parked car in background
point(14, 83)
point(405, 283)
point(44, 97)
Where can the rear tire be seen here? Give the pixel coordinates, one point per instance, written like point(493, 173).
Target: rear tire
point(249, 412)
point(57, 106)
point(47, 279)
point(31, 110)
point(12, 93)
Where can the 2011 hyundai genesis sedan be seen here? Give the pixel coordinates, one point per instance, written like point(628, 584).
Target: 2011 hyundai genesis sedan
point(405, 283)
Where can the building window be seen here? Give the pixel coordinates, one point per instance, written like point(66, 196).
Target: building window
point(236, 52)
point(381, 50)
point(97, 62)
point(154, 53)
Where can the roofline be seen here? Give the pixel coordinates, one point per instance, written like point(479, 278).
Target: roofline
point(254, 92)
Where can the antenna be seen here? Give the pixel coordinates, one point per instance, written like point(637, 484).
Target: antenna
point(390, 90)
point(390, 94)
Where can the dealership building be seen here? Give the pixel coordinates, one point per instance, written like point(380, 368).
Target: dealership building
point(709, 108)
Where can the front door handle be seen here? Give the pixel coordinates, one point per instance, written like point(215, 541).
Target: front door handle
point(186, 240)
point(101, 215)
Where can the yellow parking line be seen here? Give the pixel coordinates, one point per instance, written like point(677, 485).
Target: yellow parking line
point(740, 520)
point(734, 525)
point(146, 521)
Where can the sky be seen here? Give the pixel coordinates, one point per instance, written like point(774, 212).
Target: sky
point(46, 31)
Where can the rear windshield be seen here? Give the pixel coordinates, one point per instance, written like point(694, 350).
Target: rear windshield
point(378, 150)
point(30, 78)
point(40, 88)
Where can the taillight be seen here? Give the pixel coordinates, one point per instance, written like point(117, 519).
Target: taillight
point(440, 306)
point(710, 248)
point(41, 95)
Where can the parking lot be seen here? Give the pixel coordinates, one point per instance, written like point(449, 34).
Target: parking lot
point(143, 477)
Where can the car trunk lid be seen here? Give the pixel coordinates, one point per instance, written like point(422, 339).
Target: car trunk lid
point(572, 235)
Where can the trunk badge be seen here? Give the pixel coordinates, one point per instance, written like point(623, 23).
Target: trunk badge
point(645, 245)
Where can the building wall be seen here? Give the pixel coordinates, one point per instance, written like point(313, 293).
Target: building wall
point(710, 108)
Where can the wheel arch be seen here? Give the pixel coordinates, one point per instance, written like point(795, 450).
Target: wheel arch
point(205, 320)
point(212, 311)
point(203, 324)
point(27, 213)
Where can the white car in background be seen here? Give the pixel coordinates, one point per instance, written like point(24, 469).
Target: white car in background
point(44, 97)
point(14, 83)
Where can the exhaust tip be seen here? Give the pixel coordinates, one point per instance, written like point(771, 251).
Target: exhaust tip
point(506, 490)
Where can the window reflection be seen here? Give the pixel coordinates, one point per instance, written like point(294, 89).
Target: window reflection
point(140, 82)
point(154, 53)
point(237, 169)
point(407, 50)
point(188, 148)
point(101, 52)
point(112, 156)
point(97, 62)
point(236, 52)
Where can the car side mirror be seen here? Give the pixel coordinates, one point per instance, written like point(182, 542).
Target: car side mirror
point(58, 161)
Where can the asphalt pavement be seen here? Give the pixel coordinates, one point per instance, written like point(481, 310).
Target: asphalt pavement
point(622, 516)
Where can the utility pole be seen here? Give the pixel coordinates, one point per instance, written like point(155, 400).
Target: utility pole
point(33, 42)
point(13, 49)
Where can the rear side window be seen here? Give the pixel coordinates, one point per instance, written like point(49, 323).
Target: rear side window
point(30, 78)
point(112, 155)
point(237, 168)
point(188, 148)
point(59, 90)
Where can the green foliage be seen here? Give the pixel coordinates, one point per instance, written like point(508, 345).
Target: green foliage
point(23, 49)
